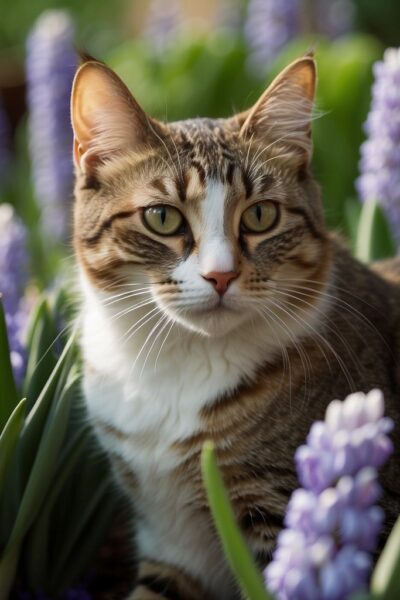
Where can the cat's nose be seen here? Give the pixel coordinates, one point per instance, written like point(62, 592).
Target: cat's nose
point(220, 281)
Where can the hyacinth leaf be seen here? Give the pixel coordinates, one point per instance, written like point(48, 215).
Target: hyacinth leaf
point(374, 240)
point(42, 359)
point(385, 582)
point(38, 414)
point(37, 542)
point(8, 391)
point(9, 439)
point(236, 551)
point(44, 464)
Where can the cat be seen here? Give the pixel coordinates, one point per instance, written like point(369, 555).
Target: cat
point(216, 305)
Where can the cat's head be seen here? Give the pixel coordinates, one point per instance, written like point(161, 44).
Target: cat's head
point(209, 219)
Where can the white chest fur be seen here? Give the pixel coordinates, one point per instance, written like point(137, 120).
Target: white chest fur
point(159, 396)
point(154, 398)
point(153, 402)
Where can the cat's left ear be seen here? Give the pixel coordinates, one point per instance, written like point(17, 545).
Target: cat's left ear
point(283, 114)
point(106, 118)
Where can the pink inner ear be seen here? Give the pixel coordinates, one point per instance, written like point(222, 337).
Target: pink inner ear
point(284, 111)
point(105, 117)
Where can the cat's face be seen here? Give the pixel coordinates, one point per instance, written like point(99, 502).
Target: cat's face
point(211, 221)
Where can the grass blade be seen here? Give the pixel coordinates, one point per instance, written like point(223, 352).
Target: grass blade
point(9, 439)
point(45, 462)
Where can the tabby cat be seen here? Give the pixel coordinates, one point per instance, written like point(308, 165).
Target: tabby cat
point(216, 305)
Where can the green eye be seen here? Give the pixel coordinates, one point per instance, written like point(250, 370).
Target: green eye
point(164, 219)
point(260, 217)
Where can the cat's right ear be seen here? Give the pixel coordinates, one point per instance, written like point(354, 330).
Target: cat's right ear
point(106, 119)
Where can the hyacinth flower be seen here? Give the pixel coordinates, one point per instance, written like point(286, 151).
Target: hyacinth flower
point(334, 17)
point(269, 26)
point(163, 23)
point(13, 277)
point(380, 153)
point(50, 66)
point(333, 523)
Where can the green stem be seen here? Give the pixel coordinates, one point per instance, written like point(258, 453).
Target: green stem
point(235, 548)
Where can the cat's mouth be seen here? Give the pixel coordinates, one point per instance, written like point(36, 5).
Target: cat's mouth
point(218, 306)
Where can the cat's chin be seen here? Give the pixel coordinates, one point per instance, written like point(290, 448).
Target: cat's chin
point(212, 322)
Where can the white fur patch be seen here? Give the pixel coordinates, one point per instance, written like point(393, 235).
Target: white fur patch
point(215, 251)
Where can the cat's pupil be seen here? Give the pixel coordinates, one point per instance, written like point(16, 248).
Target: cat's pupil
point(163, 215)
point(258, 212)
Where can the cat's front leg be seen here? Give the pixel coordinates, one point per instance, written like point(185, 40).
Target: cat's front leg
point(159, 581)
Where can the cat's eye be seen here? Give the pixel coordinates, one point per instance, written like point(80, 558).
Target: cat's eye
point(163, 219)
point(260, 217)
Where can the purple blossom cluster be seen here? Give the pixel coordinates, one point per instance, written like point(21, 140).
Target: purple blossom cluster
point(332, 523)
point(164, 22)
point(50, 66)
point(334, 17)
point(268, 27)
point(13, 275)
point(380, 154)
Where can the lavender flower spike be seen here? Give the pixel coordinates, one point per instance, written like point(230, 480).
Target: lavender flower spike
point(13, 274)
point(164, 21)
point(334, 17)
point(380, 154)
point(332, 523)
point(50, 65)
point(270, 24)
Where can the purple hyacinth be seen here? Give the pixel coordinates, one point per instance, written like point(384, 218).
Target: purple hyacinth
point(268, 27)
point(164, 22)
point(334, 17)
point(13, 277)
point(332, 523)
point(50, 66)
point(380, 154)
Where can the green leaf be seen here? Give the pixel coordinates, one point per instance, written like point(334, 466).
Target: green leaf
point(385, 582)
point(36, 419)
point(44, 465)
point(41, 357)
point(374, 240)
point(8, 391)
point(37, 543)
point(236, 551)
point(9, 439)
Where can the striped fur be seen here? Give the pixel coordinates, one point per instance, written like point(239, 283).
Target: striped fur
point(170, 363)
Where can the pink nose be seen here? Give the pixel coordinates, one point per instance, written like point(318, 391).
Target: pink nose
point(219, 280)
